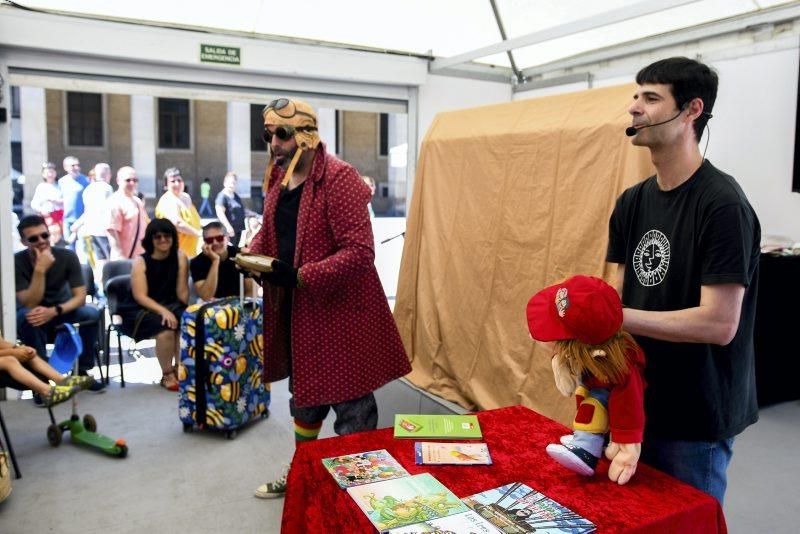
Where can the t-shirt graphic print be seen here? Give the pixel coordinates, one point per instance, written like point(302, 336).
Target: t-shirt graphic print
point(651, 258)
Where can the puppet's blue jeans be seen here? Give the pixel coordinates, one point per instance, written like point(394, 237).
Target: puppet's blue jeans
point(702, 464)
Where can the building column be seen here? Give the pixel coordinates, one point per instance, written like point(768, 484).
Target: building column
point(326, 121)
point(33, 136)
point(239, 145)
point(398, 158)
point(8, 305)
point(143, 144)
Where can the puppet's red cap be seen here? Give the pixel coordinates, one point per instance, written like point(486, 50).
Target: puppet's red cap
point(583, 308)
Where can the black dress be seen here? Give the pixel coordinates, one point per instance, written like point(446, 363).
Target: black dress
point(162, 283)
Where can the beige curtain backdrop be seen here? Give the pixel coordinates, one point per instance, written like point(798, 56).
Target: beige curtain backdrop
point(508, 199)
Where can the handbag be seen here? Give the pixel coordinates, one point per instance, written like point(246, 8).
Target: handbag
point(5, 475)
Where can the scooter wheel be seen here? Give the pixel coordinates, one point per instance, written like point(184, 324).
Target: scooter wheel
point(89, 423)
point(123, 451)
point(54, 435)
point(230, 434)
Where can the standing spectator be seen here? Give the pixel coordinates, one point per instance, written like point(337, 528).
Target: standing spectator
point(159, 282)
point(331, 331)
point(92, 226)
point(686, 244)
point(127, 218)
point(72, 185)
point(230, 209)
point(205, 192)
point(51, 291)
point(177, 206)
point(214, 273)
point(48, 202)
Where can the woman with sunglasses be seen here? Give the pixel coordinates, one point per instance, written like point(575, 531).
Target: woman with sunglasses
point(48, 202)
point(159, 283)
point(176, 205)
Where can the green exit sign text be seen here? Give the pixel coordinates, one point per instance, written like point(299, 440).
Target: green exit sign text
point(220, 54)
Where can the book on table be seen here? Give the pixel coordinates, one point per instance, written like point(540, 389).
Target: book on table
point(420, 426)
point(405, 501)
point(517, 508)
point(463, 523)
point(432, 453)
point(363, 468)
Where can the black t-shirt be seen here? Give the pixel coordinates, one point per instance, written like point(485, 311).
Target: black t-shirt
point(227, 278)
point(286, 222)
point(703, 232)
point(63, 276)
point(234, 209)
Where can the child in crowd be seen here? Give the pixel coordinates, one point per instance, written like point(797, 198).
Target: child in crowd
point(22, 362)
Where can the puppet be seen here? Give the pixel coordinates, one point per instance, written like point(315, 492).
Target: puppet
point(600, 364)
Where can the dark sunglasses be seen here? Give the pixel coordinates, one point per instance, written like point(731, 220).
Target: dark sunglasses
point(131, 180)
point(285, 132)
point(36, 238)
point(283, 107)
point(159, 236)
point(213, 238)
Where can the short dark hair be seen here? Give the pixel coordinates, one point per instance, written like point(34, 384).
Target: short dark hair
point(29, 221)
point(160, 226)
point(688, 79)
point(214, 224)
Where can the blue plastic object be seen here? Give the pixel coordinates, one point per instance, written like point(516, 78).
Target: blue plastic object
point(68, 346)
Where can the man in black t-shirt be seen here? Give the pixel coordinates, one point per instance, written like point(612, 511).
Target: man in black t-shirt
point(686, 242)
point(214, 273)
point(50, 291)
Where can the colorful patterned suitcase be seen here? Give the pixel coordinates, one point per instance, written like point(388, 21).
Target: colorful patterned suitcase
point(222, 366)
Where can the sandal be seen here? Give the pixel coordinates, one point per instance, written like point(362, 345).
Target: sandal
point(59, 394)
point(169, 380)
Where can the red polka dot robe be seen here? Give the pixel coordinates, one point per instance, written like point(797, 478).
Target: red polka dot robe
point(345, 342)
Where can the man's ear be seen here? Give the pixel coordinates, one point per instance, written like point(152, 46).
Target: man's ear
point(596, 354)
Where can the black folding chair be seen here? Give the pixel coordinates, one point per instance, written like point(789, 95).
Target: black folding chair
point(114, 269)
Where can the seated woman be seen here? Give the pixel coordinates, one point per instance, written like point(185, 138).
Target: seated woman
point(159, 283)
point(22, 362)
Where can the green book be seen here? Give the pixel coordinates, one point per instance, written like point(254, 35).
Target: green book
point(436, 426)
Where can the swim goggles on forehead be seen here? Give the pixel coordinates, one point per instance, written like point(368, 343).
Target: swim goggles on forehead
point(285, 108)
point(285, 132)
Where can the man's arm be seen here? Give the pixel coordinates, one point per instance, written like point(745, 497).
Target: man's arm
point(33, 295)
point(715, 320)
point(208, 287)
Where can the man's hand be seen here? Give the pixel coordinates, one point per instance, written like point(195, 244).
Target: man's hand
point(43, 261)
point(168, 319)
point(40, 315)
point(624, 458)
point(282, 275)
point(209, 253)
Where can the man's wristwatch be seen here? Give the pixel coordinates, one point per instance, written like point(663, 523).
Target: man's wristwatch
point(59, 309)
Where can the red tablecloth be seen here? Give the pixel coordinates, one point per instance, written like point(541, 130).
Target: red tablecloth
point(517, 437)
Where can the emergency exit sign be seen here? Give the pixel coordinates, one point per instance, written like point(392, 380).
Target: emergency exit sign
point(220, 54)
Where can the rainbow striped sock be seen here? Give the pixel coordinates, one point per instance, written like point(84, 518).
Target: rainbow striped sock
point(306, 431)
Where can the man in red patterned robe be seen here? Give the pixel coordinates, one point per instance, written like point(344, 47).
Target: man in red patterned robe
point(327, 324)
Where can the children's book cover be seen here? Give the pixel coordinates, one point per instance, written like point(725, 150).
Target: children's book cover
point(363, 468)
point(426, 452)
point(437, 426)
point(405, 501)
point(466, 523)
point(517, 508)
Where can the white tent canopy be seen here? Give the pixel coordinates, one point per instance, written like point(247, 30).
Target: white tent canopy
point(537, 32)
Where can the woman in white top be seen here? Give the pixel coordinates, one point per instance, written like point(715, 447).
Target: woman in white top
point(177, 206)
point(48, 202)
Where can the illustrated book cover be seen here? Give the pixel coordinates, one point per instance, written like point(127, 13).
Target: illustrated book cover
point(363, 468)
point(431, 453)
point(437, 426)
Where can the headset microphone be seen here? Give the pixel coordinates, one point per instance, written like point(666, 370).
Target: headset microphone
point(630, 131)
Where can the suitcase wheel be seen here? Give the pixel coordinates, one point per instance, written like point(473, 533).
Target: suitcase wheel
point(188, 429)
point(230, 434)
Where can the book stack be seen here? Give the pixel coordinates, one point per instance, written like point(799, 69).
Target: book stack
point(399, 503)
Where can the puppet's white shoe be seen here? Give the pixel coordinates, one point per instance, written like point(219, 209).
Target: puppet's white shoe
point(573, 458)
point(566, 439)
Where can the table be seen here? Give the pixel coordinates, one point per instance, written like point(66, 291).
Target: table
point(777, 355)
point(517, 437)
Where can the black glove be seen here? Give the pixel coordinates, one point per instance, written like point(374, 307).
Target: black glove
point(282, 275)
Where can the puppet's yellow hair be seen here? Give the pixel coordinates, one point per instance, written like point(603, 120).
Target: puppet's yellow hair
point(611, 368)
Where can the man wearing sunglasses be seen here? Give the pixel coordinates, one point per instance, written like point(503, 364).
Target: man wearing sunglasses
point(51, 291)
point(327, 324)
point(214, 273)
